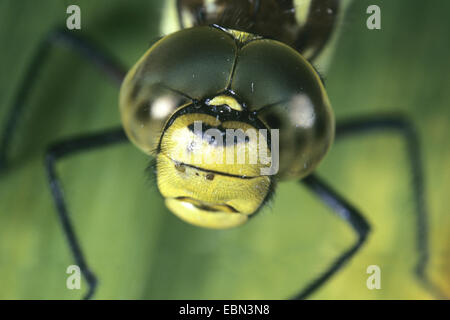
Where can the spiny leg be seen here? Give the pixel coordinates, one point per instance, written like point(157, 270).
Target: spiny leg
point(346, 212)
point(407, 131)
point(62, 38)
point(62, 150)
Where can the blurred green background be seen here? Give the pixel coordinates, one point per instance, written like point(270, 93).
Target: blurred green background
point(140, 250)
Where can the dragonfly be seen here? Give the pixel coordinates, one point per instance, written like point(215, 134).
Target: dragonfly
point(230, 65)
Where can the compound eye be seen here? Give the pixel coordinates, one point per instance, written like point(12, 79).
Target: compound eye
point(145, 117)
point(269, 72)
point(287, 94)
point(186, 65)
point(196, 61)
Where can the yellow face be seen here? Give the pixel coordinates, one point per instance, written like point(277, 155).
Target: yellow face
point(201, 177)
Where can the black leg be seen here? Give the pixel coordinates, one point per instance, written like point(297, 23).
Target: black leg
point(62, 38)
point(345, 211)
point(62, 150)
point(405, 129)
